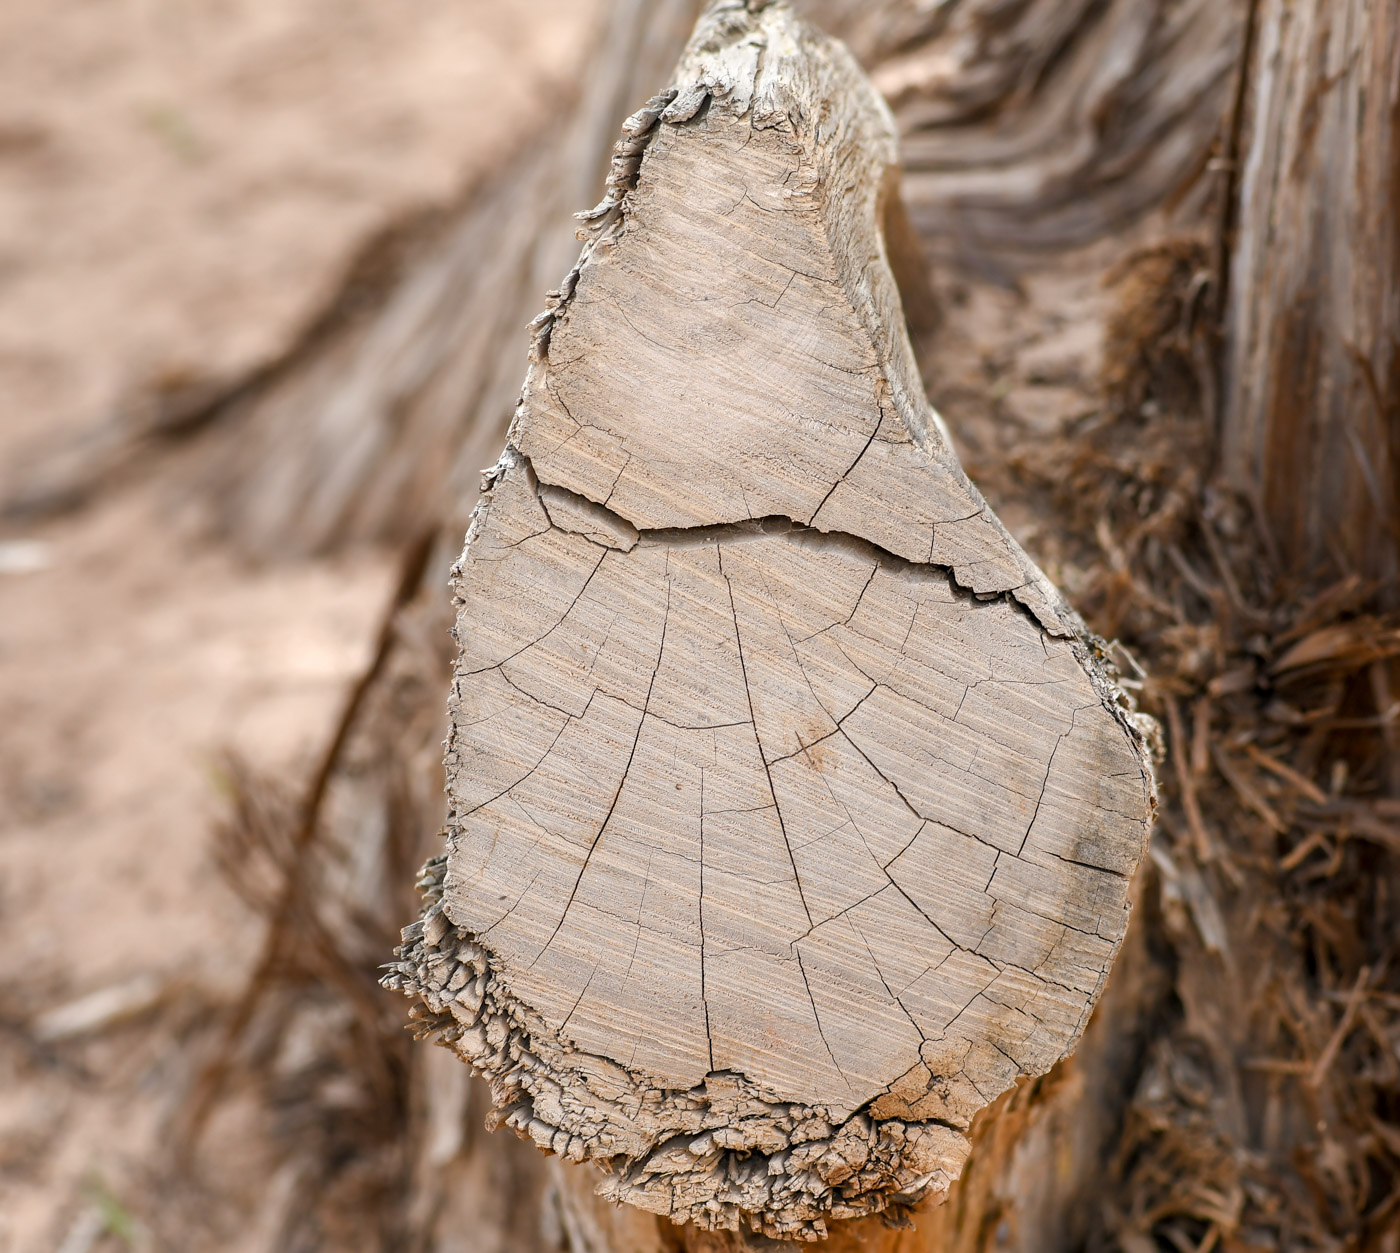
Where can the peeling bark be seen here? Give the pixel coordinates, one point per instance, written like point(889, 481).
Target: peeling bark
point(379, 419)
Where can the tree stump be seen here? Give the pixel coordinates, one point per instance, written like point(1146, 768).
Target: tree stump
point(791, 810)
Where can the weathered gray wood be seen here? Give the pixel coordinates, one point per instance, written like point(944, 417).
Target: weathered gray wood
point(1041, 125)
point(1312, 367)
point(791, 811)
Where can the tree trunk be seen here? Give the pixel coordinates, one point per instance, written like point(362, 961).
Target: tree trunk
point(1313, 366)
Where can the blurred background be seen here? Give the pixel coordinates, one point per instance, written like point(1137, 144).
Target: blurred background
point(265, 273)
point(184, 186)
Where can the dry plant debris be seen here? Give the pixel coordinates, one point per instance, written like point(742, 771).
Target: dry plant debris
point(1267, 1114)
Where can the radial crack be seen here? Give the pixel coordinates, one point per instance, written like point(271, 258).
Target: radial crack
point(748, 694)
point(641, 722)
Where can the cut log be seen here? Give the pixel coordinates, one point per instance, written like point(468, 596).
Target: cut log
point(791, 810)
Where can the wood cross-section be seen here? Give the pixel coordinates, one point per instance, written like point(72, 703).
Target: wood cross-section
point(792, 813)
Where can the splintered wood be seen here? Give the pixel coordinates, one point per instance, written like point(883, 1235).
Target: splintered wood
point(792, 813)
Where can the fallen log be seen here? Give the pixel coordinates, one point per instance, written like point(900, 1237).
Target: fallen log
point(791, 809)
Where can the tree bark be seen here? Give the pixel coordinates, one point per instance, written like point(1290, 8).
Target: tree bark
point(1038, 126)
point(1313, 363)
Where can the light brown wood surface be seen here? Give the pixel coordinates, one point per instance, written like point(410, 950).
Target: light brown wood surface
point(792, 812)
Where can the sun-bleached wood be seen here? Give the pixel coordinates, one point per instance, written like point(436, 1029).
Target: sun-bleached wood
point(792, 812)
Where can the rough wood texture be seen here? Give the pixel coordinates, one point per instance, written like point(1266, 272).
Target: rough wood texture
point(1313, 366)
point(791, 810)
point(1034, 125)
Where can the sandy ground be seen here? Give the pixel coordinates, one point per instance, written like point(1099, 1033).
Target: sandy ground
point(181, 184)
point(182, 180)
point(128, 668)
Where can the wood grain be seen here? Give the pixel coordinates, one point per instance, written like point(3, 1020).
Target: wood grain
point(1312, 365)
point(791, 810)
